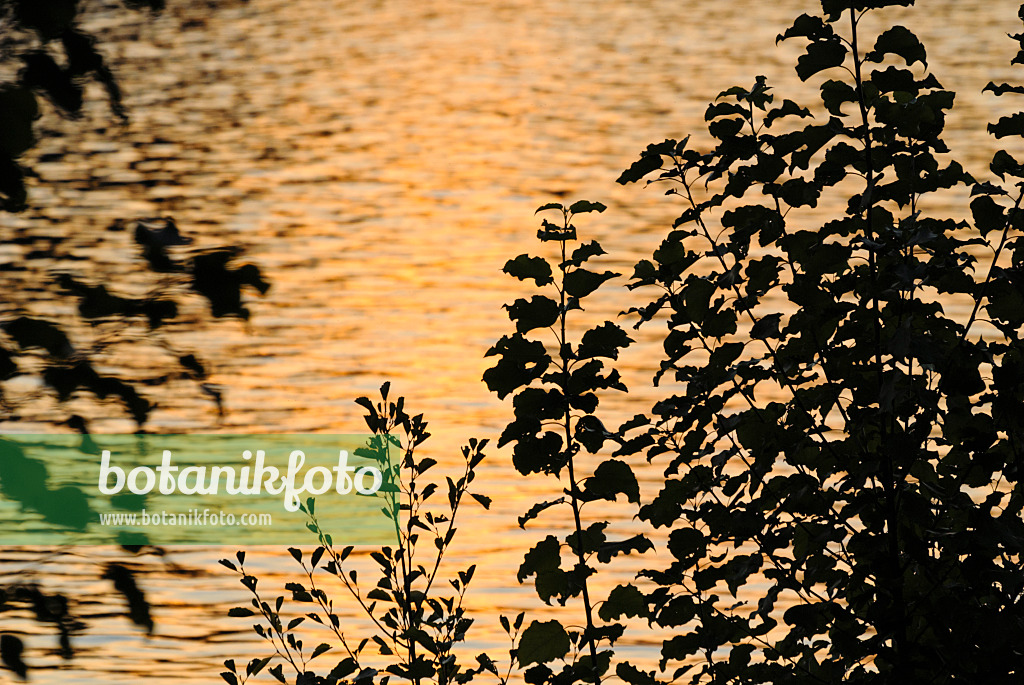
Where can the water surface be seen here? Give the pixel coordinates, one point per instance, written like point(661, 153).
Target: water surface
point(380, 161)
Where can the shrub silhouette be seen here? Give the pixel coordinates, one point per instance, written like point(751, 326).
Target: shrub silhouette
point(856, 456)
point(842, 493)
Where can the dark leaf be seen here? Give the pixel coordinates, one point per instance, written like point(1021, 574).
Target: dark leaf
point(786, 109)
point(542, 643)
point(898, 40)
point(603, 341)
point(526, 267)
point(550, 205)
point(520, 361)
point(767, 327)
point(584, 207)
point(640, 168)
point(611, 478)
point(581, 282)
point(820, 55)
point(584, 252)
point(1012, 125)
point(537, 312)
point(536, 510)
point(623, 600)
point(41, 72)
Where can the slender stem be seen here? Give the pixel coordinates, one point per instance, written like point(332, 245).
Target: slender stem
point(448, 531)
point(574, 500)
point(410, 609)
point(321, 599)
point(274, 621)
point(353, 590)
point(792, 271)
point(889, 488)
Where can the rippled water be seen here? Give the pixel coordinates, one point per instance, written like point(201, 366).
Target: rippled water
point(381, 160)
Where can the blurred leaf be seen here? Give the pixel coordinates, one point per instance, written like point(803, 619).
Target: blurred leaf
point(84, 58)
point(41, 72)
point(12, 185)
point(29, 332)
point(124, 583)
point(18, 110)
point(214, 279)
point(11, 648)
point(8, 368)
point(49, 19)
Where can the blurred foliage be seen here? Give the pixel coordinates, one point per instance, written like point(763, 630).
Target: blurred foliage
point(54, 59)
point(66, 328)
point(83, 352)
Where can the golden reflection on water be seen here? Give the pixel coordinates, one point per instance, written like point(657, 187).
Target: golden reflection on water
point(381, 161)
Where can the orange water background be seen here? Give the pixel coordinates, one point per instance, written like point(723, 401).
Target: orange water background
point(381, 161)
